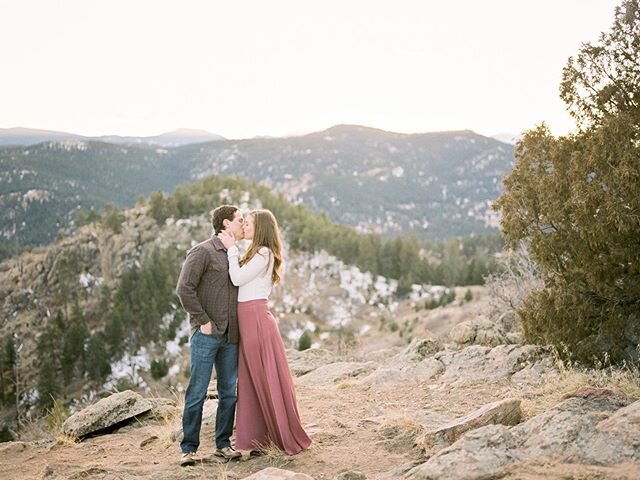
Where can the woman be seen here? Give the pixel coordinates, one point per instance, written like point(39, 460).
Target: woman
point(267, 411)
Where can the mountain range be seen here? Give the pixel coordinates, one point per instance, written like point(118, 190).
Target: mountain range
point(30, 136)
point(437, 185)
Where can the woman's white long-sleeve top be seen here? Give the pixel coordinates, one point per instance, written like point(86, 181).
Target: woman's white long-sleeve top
point(253, 279)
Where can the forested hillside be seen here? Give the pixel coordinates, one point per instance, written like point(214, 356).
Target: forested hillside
point(435, 185)
point(107, 291)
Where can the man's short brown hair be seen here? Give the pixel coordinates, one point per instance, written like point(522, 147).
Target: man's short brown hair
point(221, 213)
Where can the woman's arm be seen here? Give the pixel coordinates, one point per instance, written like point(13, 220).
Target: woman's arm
point(241, 275)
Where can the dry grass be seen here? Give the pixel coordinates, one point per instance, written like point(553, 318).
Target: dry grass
point(570, 378)
point(65, 440)
point(345, 384)
point(399, 433)
point(274, 455)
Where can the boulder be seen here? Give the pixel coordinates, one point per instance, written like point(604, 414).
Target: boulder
point(505, 412)
point(479, 331)
point(106, 413)
point(351, 475)
point(591, 427)
point(418, 350)
point(480, 454)
point(273, 473)
point(385, 378)
point(478, 363)
point(305, 361)
point(335, 372)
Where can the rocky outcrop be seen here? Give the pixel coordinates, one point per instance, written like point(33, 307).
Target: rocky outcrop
point(480, 454)
point(336, 372)
point(305, 361)
point(106, 413)
point(273, 473)
point(590, 427)
point(417, 351)
point(479, 331)
point(505, 412)
point(478, 363)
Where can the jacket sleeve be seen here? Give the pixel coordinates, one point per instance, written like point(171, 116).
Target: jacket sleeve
point(241, 275)
point(192, 270)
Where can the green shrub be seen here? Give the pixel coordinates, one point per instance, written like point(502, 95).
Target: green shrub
point(468, 296)
point(304, 342)
point(5, 435)
point(159, 368)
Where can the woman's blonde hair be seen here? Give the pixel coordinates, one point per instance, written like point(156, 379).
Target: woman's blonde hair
point(265, 234)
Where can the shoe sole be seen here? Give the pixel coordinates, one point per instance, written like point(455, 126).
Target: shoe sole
point(225, 457)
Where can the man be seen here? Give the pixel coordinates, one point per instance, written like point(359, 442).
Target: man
point(209, 297)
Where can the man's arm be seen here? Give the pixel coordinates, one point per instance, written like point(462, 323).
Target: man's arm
point(192, 270)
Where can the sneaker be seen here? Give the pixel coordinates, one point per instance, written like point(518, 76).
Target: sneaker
point(187, 459)
point(227, 452)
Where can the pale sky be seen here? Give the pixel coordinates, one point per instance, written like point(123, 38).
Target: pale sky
point(241, 68)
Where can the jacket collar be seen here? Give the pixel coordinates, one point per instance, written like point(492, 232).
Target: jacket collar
point(217, 243)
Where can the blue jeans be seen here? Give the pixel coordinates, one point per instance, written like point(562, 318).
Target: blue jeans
point(207, 351)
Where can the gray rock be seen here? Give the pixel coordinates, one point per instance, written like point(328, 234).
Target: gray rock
point(427, 369)
point(479, 331)
point(351, 475)
point(381, 355)
point(505, 412)
point(385, 378)
point(305, 361)
point(161, 409)
point(106, 413)
point(591, 426)
point(536, 374)
point(479, 363)
point(480, 454)
point(418, 350)
point(272, 473)
point(335, 372)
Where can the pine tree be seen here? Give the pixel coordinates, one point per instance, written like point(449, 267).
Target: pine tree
point(468, 296)
point(574, 201)
point(9, 359)
point(48, 383)
point(112, 218)
point(73, 358)
point(98, 368)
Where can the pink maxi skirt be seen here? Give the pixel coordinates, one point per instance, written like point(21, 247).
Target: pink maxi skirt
point(267, 411)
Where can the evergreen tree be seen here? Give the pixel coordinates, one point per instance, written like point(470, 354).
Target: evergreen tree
point(158, 207)
point(4, 378)
point(452, 263)
point(112, 218)
point(73, 359)
point(48, 382)
point(468, 296)
point(574, 200)
point(9, 379)
point(159, 368)
point(98, 368)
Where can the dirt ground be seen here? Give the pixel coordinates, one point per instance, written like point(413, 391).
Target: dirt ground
point(343, 421)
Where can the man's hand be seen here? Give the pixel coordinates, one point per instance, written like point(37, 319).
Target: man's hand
point(206, 329)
